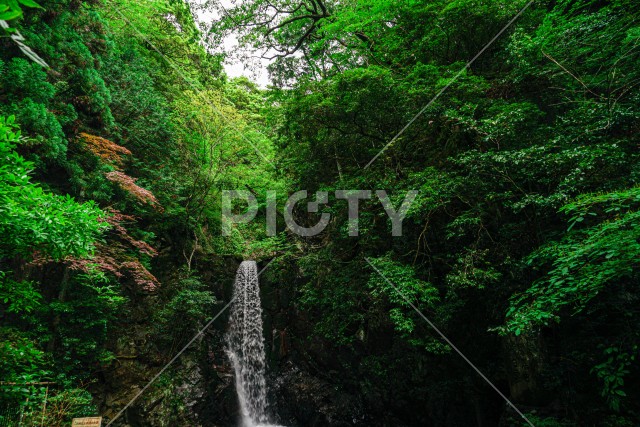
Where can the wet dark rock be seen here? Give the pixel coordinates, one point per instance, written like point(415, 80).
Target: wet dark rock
point(198, 390)
point(305, 400)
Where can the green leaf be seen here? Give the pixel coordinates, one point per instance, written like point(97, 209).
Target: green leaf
point(9, 15)
point(30, 3)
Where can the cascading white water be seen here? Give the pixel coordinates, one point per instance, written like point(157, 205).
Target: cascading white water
point(245, 346)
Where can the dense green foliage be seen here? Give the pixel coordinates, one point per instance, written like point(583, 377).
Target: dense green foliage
point(523, 243)
point(526, 224)
point(122, 153)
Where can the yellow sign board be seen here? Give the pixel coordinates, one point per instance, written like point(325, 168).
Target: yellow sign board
point(87, 422)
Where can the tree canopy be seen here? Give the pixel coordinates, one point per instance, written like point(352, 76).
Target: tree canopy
point(120, 130)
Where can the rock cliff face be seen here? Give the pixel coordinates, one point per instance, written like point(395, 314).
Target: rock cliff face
point(198, 388)
point(310, 382)
point(301, 391)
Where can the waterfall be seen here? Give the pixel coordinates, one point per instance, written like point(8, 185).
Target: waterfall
point(245, 346)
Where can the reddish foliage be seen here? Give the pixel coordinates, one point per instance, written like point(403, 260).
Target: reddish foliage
point(128, 184)
point(103, 261)
point(112, 153)
point(115, 219)
point(140, 275)
point(108, 151)
point(109, 259)
point(114, 258)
